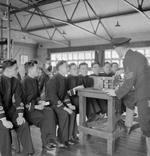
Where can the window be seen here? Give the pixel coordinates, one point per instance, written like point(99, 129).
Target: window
point(112, 56)
point(74, 57)
point(24, 59)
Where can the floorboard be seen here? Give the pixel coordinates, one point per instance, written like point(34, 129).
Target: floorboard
point(132, 145)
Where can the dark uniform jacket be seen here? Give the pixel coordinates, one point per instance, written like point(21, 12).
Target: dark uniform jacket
point(10, 96)
point(31, 93)
point(56, 91)
point(137, 75)
point(86, 81)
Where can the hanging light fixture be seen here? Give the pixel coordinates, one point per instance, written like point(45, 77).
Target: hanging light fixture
point(117, 24)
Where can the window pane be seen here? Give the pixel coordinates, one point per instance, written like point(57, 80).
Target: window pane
point(88, 55)
point(141, 51)
point(75, 55)
point(69, 56)
point(58, 56)
point(108, 60)
point(114, 54)
point(147, 52)
point(93, 54)
point(64, 56)
point(81, 55)
point(53, 56)
point(53, 64)
point(108, 54)
point(89, 63)
point(116, 61)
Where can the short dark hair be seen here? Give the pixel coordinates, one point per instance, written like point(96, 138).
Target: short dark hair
point(114, 63)
point(107, 63)
point(60, 63)
point(71, 64)
point(94, 63)
point(83, 64)
point(8, 63)
point(29, 64)
point(49, 68)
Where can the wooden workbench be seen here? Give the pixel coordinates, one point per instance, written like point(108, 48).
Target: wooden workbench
point(111, 131)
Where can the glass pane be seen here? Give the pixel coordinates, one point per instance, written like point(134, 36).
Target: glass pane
point(89, 63)
point(108, 60)
point(140, 51)
point(81, 55)
point(121, 63)
point(116, 61)
point(114, 54)
point(75, 55)
point(53, 64)
point(149, 61)
point(69, 56)
point(147, 52)
point(53, 56)
point(58, 56)
point(64, 56)
point(88, 55)
point(108, 54)
point(93, 54)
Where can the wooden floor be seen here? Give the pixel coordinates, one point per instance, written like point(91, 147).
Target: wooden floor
point(132, 145)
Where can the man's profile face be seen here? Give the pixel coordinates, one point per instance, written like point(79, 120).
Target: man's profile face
point(13, 70)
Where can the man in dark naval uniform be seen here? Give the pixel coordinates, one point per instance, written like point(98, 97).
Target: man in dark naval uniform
point(93, 108)
point(36, 111)
point(12, 111)
point(56, 93)
point(137, 76)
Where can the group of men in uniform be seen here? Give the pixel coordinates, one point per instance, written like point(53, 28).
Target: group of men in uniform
point(21, 104)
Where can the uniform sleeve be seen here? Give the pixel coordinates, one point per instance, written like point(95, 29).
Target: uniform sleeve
point(51, 93)
point(28, 96)
point(17, 97)
point(130, 75)
point(67, 100)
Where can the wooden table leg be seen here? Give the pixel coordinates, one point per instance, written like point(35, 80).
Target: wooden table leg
point(82, 118)
point(110, 145)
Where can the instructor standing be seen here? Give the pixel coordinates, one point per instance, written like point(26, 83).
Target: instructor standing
point(137, 75)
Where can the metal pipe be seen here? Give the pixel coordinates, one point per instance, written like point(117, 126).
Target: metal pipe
point(8, 31)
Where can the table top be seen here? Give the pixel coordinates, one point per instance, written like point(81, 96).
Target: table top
point(94, 92)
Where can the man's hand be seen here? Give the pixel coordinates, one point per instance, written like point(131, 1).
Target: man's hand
point(20, 120)
point(72, 107)
point(39, 107)
point(7, 123)
point(110, 92)
point(41, 102)
point(68, 110)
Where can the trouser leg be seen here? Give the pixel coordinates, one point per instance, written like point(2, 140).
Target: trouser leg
point(5, 141)
point(144, 116)
point(148, 145)
point(63, 122)
point(24, 135)
point(42, 119)
point(129, 117)
point(49, 119)
point(72, 118)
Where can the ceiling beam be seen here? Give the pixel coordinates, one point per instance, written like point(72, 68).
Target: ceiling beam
point(138, 10)
point(38, 4)
point(42, 37)
point(125, 13)
point(60, 21)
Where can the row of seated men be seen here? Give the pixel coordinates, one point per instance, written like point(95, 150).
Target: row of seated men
point(21, 104)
